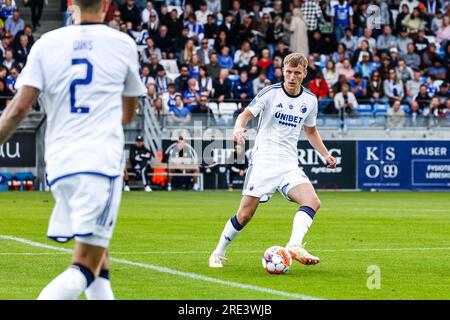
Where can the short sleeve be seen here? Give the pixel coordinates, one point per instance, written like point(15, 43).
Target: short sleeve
point(133, 84)
point(256, 106)
point(32, 74)
point(311, 118)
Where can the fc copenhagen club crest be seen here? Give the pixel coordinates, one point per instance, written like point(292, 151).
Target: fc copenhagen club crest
point(304, 108)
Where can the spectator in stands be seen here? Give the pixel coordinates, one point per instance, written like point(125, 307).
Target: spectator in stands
point(229, 26)
point(180, 40)
point(360, 52)
point(413, 85)
point(313, 15)
point(236, 12)
point(423, 100)
point(275, 34)
point(341, 15)
point(7, 10)
point(182, 153)
point(341, 54)
point(214, 6)
point(277, 10)
point(329, 73)
point(213, 68)
point(14, 23)
point(11, 80)
point(253, 69)
point(264, 62)
point(317, 44)
point(311, 70)
point(261, 31)
point(28, 31)
point(350, 41)
point(21, 51)
point(243, 88)
point(415, 21)
point(188, 51)
point(194, 66)
point(429, 56)
point(319, 86)
point(211, 28)
point(191, 96)
point(402, 41)
point(178, 114)
point(437, 70)
point(443, 93)
point(375, 87)
point(326, 105)
point(394, 57)
point(225, 60)
point(9, 61)
point(204, 82)
point(242, 57)
point(5, 94)
point(237, 165)
point(393, 87)
point(443, 33)
point(222, 40)
point(182, 80)
point(145, 14)
point(345, 101)
point(116, 21)
point(386, 40)
point(278, 75)
point(149, 51)
point(146, 78)
point(259, 83)
point(203, 13)
point(368, 37)
point(140, 161)
point(395, 116)
point(36, 7)
point(204, 52)
point(411, 58)
point(245, 31)
point(169, 97)
point(222, 86)
point(404, 72)
point(281, 50)
point(203, 112)
point(365, 67)
point(175, 25)
point(154, 65)
point(196, 31)
point(421, 43)
point(161, 81)
point(298, 40)
point(346, 70)
point(131, 13)
point(358, 87)
point(404, 12)
point(164, 43)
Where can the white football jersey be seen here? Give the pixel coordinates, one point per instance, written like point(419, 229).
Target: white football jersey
point(82, 72)
point(281, 118)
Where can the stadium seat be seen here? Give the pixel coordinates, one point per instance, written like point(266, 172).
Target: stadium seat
point(26, 180)
point(354, 122)
point(331, 122)
point(170, 65)
point(5, 180)
point(364, 108)
point(381, 108)
point(215, 109)
point(226, 110)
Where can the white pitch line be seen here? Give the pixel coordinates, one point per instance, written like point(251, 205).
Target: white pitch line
point(174, 272)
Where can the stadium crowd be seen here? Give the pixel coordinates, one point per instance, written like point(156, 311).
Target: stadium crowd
point(362, 54)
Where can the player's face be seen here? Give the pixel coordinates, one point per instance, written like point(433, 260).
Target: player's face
point(293, 76)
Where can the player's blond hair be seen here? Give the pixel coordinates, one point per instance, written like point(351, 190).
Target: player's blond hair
point(295, 59)
point(89, 5)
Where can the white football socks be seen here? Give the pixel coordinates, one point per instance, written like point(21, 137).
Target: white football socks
point(69, 285)
point(230, 232)
point(302, 222)
point(100, 289)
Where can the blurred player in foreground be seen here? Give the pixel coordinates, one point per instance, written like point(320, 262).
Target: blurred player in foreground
point(86, 77)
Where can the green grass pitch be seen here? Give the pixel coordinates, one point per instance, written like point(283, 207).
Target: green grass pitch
point(163, 240)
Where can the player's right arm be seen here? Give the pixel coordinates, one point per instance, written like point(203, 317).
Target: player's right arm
point(252, 111)
point(20, 106)
point(129, 107)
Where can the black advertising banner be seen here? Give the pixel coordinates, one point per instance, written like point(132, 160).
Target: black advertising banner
point(314, 166)
point(214, 154)
point(19, 151)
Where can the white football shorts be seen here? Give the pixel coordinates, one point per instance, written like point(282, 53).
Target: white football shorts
point(263, 179)
point(86, 209)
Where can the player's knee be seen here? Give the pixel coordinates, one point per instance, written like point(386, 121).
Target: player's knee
point(313, 204)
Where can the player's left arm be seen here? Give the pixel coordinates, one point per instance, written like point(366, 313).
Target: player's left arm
point(314, 138)
point(20, 106)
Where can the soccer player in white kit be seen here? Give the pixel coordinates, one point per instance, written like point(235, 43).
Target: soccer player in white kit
point(283, 109)
point(86, 78)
